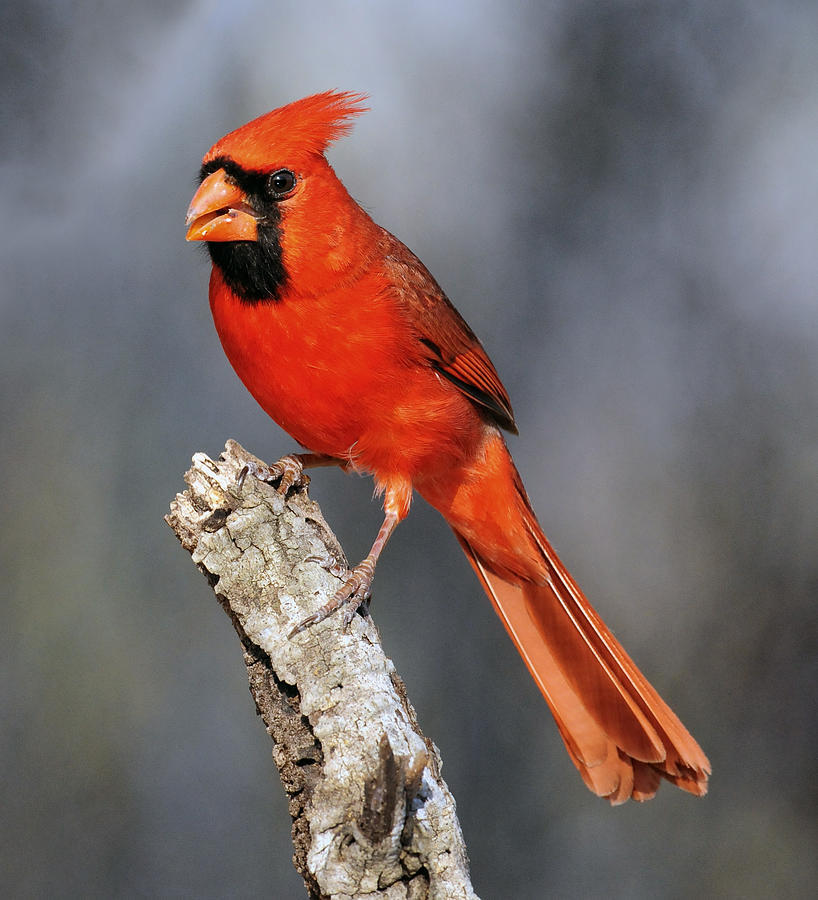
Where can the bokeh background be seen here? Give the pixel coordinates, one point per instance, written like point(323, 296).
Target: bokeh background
point(622, 199)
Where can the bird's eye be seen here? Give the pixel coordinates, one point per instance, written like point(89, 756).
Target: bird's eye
point(281, 183)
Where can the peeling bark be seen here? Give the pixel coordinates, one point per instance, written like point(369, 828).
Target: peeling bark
point(371, 815)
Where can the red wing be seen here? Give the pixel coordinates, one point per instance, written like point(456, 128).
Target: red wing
point(453, 349)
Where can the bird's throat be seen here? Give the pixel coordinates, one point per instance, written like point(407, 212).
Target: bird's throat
point(253, 270)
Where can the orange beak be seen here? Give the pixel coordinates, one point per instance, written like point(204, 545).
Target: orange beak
point(219, 211)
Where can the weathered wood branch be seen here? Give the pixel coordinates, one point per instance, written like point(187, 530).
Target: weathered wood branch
point(371, 815)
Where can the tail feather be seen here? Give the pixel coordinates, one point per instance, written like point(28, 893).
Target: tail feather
point(619, 733)
point(682, 758)
point(646, 781)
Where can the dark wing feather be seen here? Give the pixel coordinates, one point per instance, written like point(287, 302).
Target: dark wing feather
point(452, 348)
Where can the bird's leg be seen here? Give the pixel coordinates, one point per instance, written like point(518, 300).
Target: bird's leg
point(356, 587)
point(288, 471)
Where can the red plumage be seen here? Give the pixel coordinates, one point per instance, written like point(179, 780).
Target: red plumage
point(346, 340)
point(305, 127)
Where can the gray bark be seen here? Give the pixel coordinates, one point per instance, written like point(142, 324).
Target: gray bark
point(372, 816)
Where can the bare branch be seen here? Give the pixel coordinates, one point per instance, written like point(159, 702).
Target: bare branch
point(371, 815)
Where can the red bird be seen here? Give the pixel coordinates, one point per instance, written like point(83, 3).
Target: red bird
point(346, 340)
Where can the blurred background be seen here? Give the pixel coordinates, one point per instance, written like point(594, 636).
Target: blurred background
point(622, 199)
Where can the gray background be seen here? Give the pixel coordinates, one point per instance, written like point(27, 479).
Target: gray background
point(621, 199)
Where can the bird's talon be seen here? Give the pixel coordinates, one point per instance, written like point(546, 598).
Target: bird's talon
point(362, 607)
point(353, 593)
point(287, 471)
point(302, 626)
point(329, 562)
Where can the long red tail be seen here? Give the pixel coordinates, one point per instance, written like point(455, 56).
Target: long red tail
point(619, 732)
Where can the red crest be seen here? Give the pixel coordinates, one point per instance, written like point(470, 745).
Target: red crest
point(304, 127)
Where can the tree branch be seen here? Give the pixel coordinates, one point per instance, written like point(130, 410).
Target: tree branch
point(371, 815)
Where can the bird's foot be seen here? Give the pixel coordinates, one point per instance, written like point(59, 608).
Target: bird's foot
point(354, 593)
point(288, 472)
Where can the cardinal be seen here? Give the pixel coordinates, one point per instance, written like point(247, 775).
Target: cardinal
point(346, 340)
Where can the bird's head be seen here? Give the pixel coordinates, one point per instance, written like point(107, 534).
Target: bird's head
point(269, 205)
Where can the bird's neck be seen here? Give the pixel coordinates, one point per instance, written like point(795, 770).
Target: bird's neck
point(331, 247)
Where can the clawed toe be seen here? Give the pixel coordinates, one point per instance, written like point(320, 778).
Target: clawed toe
point(288, 472)
point(353, 593)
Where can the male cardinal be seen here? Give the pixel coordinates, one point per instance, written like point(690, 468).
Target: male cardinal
point(346, 340)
